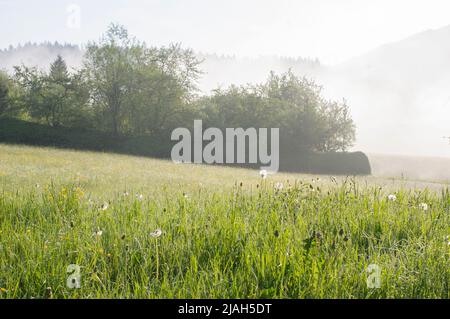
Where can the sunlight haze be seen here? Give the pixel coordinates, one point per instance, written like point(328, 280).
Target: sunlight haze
point(332, 31)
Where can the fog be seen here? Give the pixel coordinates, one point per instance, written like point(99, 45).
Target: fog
point(398, 93)
point(40, 55)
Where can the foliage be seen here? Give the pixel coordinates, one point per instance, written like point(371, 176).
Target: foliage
point(306, 120)
point(4, 93)
point(136, 89)
point(57, 97)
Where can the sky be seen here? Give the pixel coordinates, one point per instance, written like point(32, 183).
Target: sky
point(331, 30)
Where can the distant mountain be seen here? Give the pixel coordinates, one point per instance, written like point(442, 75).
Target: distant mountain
point(226, 70)
point(41, 55)
point(399, 94)
point(413, 62)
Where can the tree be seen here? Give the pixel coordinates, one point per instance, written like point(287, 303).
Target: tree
point(339, 133)
point(306, 120)
point(164, 90)
point(136, 89)
point(109, 68)
point(4, 93)
point(56, 97)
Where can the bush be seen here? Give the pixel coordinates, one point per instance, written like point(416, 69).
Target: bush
point(335, 163)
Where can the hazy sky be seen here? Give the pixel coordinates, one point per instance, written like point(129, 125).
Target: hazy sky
point(332, 30)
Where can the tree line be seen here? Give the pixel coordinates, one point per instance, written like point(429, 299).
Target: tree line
point(126, 88)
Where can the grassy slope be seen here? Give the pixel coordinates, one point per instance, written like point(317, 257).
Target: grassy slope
point(314, 239)
point(23, 167)
point(411, 167)
point(21, 132)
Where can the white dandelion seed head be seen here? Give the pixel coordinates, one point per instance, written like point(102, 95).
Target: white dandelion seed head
point(98, 233)
point(423, 206)
point(263, 173)
point(392, 198)
point(157, 233)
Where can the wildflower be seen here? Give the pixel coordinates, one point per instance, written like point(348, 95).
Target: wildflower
point(98, 233)
point(423, 206)
point(126, 194)
point(157, 233)
point(48, 292)
point(392, 198)
point(104, 206)
point(3, 290)
point(279, 186)
point(79, 193)
point(263, 173)
point(139, 197)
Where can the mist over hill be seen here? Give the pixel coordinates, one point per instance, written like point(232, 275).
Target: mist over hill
point(398, 93)
point(40, 55)
point(218, 70)
point(221, 71)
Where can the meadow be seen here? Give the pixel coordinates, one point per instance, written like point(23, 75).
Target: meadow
point(134, 227)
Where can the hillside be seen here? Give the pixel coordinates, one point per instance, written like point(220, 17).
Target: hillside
point(106, 174)
point(399, 95)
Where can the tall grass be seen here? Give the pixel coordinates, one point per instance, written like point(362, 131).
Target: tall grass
point(258, 242)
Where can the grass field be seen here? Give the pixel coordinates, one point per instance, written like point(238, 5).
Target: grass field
point(224, 232)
